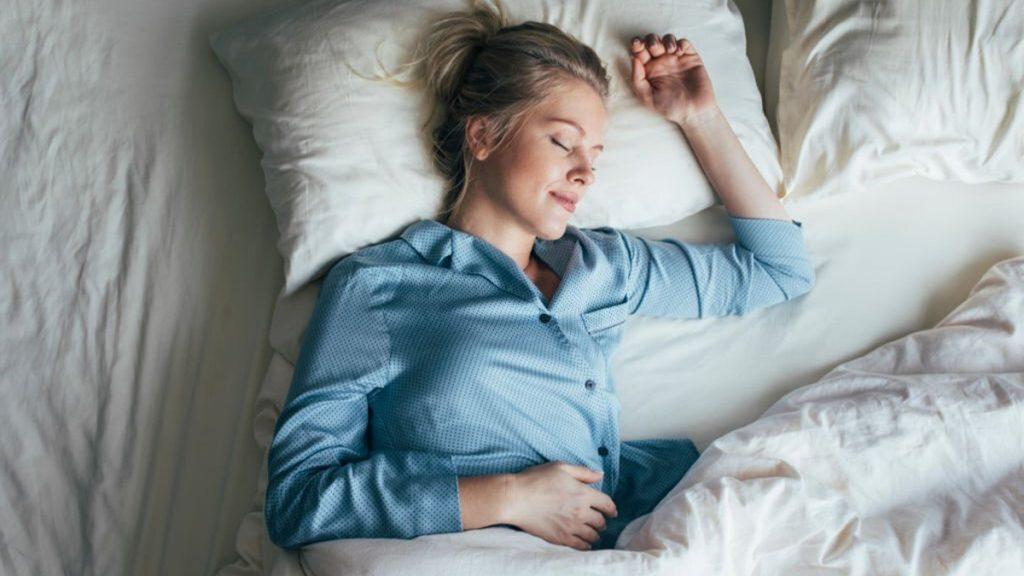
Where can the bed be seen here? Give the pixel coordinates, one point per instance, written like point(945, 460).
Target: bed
point(146, 337)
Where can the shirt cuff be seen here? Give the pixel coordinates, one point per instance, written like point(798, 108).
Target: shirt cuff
point(797, 222)
point(763, 235)
point(428, 494)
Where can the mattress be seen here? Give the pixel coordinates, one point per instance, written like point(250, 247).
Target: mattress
point(143, 337)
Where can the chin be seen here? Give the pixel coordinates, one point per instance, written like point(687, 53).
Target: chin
point(552, 231)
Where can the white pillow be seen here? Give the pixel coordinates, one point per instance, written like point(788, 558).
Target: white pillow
point(347, 164)
point(874, 91)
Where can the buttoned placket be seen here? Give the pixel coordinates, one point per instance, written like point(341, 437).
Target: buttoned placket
point(560, 300)
point(473, 255)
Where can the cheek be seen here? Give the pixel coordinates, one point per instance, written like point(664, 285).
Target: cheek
point(529, 171)
point(546, 168)
point(533, 170)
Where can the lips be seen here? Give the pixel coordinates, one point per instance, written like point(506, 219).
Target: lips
point(567, 202)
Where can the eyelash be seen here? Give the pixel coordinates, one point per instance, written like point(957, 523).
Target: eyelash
point(559, 144)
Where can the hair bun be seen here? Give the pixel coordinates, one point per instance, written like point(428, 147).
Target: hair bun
point(453, 43)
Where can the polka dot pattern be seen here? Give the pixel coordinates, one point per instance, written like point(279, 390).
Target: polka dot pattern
point(433, 356)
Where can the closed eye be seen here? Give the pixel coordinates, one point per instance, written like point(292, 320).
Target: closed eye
point(563, 147)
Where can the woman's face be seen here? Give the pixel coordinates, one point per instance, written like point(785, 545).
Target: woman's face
point(541, 173)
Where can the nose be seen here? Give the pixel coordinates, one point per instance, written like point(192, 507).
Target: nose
point(582, 174)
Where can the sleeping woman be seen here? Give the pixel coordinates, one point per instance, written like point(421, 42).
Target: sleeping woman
point(458, 376)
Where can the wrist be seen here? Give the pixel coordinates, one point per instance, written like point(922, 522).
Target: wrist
point(699, 119)
point(506, 501)
point(485, 500)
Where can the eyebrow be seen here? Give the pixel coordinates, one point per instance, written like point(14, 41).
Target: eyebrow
point(576, 126)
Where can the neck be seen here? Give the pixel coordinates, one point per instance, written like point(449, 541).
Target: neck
point(497, 229)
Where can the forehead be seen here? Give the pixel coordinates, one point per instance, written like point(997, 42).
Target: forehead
point(578, 103)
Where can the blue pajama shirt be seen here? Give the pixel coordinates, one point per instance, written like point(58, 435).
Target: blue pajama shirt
point(433, 356)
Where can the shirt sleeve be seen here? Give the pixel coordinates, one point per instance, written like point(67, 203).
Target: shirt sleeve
point(767, 264)
point(323, 482)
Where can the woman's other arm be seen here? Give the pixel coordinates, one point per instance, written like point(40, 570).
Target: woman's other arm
point(324, 483)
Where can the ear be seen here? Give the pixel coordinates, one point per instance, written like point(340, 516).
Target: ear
point(478, 137)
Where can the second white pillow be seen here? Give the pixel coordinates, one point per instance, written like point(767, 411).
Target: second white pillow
point(873, 91)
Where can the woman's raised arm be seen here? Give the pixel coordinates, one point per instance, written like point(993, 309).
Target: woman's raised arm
point(767, 264)
point(669, 77)
point(732, 174)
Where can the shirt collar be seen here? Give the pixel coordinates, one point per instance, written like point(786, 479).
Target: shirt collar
point(441, 245)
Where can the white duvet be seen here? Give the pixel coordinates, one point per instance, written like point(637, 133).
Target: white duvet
point(907, 460)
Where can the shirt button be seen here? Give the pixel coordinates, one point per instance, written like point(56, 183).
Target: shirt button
point(545, 318)
point(602, 451)
point(590, 384)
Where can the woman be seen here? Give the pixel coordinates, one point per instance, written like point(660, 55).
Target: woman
point(458, 377)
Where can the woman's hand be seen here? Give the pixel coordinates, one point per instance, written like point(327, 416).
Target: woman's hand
point(552, 501)
point(669, 78)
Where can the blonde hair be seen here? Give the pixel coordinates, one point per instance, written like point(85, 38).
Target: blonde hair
point(475, 64)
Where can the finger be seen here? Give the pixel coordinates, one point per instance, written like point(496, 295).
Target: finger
point(596, 520)
point(683, 46)
point(638, 48)
point(670, 43)
point(588, 534)
point(654, 45)
point(639, 76)
point(605, 505)
point(579, 543)
point(639, 81)
point(583, 473)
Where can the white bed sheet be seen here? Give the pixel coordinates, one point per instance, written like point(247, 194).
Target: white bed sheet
point(138, 275)
point(138, 280)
